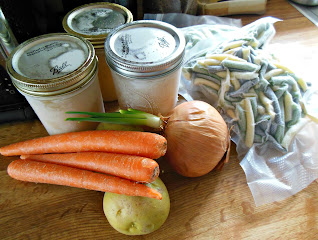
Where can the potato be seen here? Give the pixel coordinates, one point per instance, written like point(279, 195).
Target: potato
point(118, 127)
point(132, 215)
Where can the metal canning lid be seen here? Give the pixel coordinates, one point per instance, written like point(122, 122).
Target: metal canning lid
point(144, 48)
point(95, 21)
point(52, 64)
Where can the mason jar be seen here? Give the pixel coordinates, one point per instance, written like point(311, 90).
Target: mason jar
point(145, 59)
point(57, 73)
point(94, 22)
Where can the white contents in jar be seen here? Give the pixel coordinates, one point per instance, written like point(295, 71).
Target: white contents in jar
point(153, 95)
point(145, 59)
point(51, 110)
point(58, 73)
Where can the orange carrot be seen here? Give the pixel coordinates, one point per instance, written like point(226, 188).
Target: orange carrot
point(131, 167)
point(143, 144)
point(39, 172)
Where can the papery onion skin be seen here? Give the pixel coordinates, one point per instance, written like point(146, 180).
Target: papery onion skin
point(197, 138)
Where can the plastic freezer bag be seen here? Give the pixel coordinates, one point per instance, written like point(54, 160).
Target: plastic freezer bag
point(262, 99)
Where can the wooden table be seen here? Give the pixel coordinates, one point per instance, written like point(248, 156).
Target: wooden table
point(218, 205)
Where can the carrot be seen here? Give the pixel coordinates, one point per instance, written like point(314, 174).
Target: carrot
point(143, 144)
point(131, 167)
point(39, 172)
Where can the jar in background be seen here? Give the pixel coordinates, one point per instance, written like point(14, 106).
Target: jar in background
point(94, 22)
point(57, 73)
point(145, 59)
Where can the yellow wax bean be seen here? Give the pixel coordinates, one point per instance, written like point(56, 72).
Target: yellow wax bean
point(209, 62)
point(250, 123)
point(236, 84)
point(244, 75)
point(273, 73)
point(222, 74)
point(203, 81)
point(246, 53)
point(288, 102)
point(291, 133)
point(232, 51)
point(268, 105)
point(231, 113)
point(223, 56)
point(278, 65)
point(302, 84)
point(225, 87)
point(234, 44)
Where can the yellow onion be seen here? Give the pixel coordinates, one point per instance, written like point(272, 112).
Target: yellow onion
point(197, 137)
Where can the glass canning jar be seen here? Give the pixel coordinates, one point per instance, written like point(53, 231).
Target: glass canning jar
point(94, 21)
point(57, 73)
point(145, 59)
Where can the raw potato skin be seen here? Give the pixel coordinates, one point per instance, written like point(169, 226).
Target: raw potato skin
point(137, 215)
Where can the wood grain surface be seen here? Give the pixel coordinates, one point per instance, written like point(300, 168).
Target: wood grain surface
point(218, 205)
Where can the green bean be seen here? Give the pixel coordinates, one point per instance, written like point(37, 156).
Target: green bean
point(215, 69)
point(249, 95)
point(241, 118)
point(279, 135)
point(280, 132)
point(211, 91)
point(266, 35)
point(242, 66)
point(271, 95)
point(295, 116)
point(271, 66)
point(263, 118)
point(263, 82)
point(288, 103)
point(280, 90)
point(254, 106)
point(282, 110)
point(207, 77)
point(258, 138)
point(279, 80)
point(200, 69)
point(300, 81)
point(232, 99)
point(263, 69)
point(244, 75)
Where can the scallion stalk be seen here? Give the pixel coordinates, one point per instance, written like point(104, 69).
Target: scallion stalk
point(125, 117)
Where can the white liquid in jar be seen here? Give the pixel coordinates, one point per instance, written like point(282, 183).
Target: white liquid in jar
point(51, 110)
point(152, 95)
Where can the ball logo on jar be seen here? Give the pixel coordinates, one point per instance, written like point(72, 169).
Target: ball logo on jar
point(57, 69)
point(163, 43)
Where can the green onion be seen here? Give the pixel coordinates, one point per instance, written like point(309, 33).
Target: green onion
point(128, 117)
